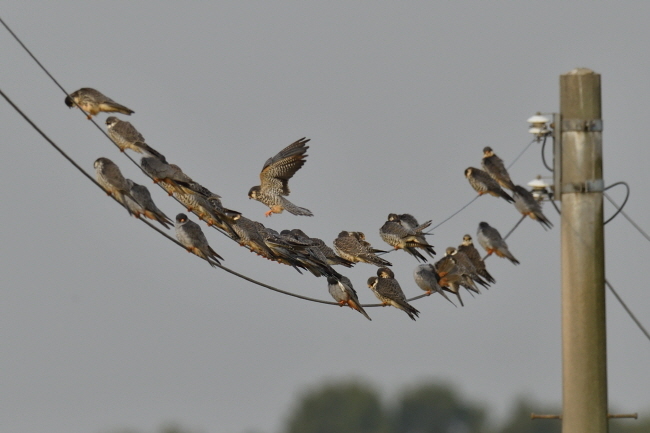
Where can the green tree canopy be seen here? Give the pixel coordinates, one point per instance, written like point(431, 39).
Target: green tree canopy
point(338, 408)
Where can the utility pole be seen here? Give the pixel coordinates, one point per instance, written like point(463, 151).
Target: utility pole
point(584, 348)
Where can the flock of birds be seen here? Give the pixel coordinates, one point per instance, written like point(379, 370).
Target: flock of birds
point(460, 267)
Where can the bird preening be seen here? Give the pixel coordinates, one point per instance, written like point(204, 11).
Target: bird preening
point(460, 267)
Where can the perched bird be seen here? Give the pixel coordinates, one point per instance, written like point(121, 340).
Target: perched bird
point(404, 236)
point(492, 242)
point(527, 205)
point(467, 265)
point(353, 247)
point(450, 276)
point(160, 171)
point(127, 137)
point(142, 204)
point(110, 177)
point(342, 291)
point(483, 183)
point(93, 101)
point(274, 179)
point(190, 235)
point(388, 291)
point(465, 279)
point(249, 236)
point(468, 248)
point(330, 256)
point(495, 167)
point(427, 279)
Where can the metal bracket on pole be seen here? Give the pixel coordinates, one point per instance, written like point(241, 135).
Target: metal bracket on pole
point(582, 125)
point(595, 185)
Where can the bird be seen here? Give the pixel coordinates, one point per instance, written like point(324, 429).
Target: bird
point(353, 247)
point(127, 137)
point(160, 171)
point(467, 265)
point(274, 179)
point(110, 177)
point(142, 204)
point(403, 235)
point(450, 276)
point(526, 204)
point(330, 256)
point(342, 291)
point(495, 167)
point(483, 183)
point(490, 239)
point(93, 101)
point(465, 279)
point(427, 279)
point(249, 236)
point(388, 291)
point(468, 248)
point(190, 235)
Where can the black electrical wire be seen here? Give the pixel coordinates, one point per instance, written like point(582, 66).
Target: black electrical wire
point(544, 155)
point(619, 209)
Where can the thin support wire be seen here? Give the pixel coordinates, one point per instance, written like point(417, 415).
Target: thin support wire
point(611, 288)
point(521, 153)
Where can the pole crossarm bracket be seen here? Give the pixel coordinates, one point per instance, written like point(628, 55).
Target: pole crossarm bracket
point(582, 125)
point(594, 185)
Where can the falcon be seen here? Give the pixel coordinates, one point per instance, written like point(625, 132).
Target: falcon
point(483, 183)
point(468, 248)
point(495, 167)
point(388, 291)
point(160, 171)
point(526, 204)
point(353, 247)
point(110, 177)
point(403, 235)
point(342, 291)
point(92, 102)
point(427, 279)
point(127, 137)
point(274, 179)
point(142, 204)
point(492, 242)
point(190, 235)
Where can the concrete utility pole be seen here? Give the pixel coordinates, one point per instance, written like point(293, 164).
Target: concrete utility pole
point(584, 349)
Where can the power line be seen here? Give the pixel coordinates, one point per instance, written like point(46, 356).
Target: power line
point(134, 162)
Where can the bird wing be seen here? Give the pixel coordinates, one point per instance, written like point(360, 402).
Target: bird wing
point(279, 169)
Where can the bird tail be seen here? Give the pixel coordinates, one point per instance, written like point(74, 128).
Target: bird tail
point(508, 255)
point(355, 306)
point(296, 210)
point(506, 196)
point(374, 260)
point(113, 106)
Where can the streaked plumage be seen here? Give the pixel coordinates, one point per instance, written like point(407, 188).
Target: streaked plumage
point(526, 204)
point(342, 291)
point(274, 179)
point(190, 235)
point(468, 248)
point(466, 279)
point(490, 239)
point(328, 253)
point(427, 279)
point(353, 247)
point(142, 204)
point(388, 291)
point(127, 137)
point(402, 235)
point(450, 276)
point(483, 183)
point(249, 236)
point(495, 167)
point(92, 102)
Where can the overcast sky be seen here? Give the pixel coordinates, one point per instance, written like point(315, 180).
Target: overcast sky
point(104, 324)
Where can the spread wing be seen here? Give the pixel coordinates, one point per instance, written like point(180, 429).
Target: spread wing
point(279, 169)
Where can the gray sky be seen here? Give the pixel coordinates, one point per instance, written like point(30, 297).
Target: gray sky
point(105, 324)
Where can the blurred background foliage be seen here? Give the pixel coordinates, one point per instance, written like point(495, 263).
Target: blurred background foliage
point(354, 406)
